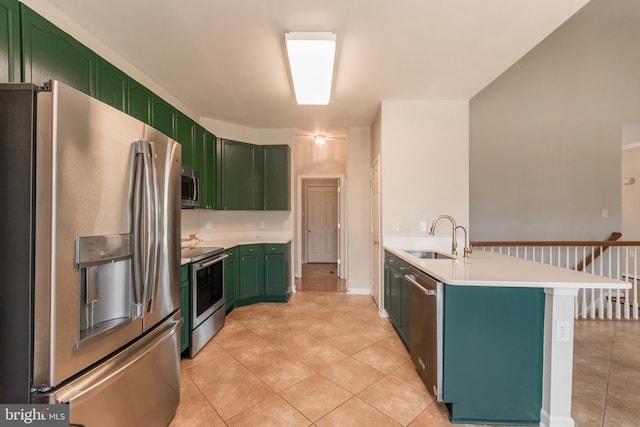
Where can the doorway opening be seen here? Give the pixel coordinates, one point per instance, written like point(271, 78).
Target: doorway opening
point(320, 243)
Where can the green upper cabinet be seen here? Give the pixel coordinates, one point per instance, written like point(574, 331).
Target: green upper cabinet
point(200, 164)
point(9, 41)
point(235, 175)
point(252, 177)
point(163, 117)
point(276, 183)
point(140, 101)
point(185, 129)
point(210, 166)
point(112, 85)
point(50, 53)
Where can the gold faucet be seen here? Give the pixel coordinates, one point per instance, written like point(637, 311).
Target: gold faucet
point(454, 242)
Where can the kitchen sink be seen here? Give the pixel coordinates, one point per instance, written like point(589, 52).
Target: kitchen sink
point(428, 254)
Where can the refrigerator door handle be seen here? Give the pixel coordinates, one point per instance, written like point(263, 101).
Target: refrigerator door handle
point(138, 278)
point(155, 224)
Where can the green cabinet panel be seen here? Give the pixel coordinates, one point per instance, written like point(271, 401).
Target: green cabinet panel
point(112, 85)
point(236, 178)
point(185, 135)
point(9, 41)
point(140, 100)
point(275, 270)
point(200, 164)
point(252, 177)
point(276, 183)
point(163, 116)
point(50, 53)
point(500, 330)
point(230, 278)
point(396, 291)
point(210, 167)
point(251, 275)
point(184, 307)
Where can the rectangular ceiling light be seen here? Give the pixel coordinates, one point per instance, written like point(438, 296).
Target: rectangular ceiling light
point(311, 57)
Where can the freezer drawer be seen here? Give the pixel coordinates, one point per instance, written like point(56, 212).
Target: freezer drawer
point(139, 386)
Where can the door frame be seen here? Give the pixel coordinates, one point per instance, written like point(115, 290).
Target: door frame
point(342, 227)
point(329, 183)
point(377, 259)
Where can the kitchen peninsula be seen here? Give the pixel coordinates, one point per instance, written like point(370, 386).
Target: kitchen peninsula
point(494, 373)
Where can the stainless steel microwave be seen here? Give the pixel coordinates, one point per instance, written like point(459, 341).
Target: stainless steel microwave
point(190, 188)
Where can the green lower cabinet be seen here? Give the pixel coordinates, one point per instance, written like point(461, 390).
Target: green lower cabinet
point(277, 272)
point(230, 278)
point(493, 351)
point(396, 292)
point(251, 273)
point(261, 273)
point(184, 307)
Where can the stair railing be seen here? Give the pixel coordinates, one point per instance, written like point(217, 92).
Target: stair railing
point(609, 258)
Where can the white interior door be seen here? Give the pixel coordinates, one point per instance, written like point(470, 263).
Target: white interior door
point(375, 231)
point(322, 224)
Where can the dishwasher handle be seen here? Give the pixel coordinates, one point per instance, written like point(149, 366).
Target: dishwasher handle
point(412, 279)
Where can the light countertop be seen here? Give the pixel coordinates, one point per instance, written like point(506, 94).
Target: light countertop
point(228, 242)
point(484, 268)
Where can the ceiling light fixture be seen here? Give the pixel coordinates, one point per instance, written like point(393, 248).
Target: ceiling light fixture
point(320, 139)
point(311, 57)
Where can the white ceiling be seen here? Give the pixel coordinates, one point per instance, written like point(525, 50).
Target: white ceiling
point(225, 59)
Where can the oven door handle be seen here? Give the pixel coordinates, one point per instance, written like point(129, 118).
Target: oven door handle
point(213, 261)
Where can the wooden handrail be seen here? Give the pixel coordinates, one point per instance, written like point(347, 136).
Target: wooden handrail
point(611, 241)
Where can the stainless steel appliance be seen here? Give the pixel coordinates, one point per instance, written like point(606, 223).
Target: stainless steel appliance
point(190, 188)
point(91, 296)
point(207, 307)
point(426, 302)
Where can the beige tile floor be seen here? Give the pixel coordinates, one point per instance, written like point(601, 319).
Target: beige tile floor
point(328, 359)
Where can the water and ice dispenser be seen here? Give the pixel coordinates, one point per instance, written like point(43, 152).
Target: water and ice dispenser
point(105, 288)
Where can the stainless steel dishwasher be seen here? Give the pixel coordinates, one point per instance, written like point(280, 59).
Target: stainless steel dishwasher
point(426, 302)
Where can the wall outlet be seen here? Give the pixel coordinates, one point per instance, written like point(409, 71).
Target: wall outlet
point(563, 331)
point(207, 225)
point(285, 223)
point(422, 226)
point(397, 227)
point(261, 225)
point(605, 213)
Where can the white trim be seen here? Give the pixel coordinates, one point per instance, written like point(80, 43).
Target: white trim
point(630, 146)
point(342, 233)
point(359, 291)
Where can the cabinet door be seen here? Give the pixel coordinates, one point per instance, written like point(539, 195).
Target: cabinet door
point(274, 268)
point(185, 336)
point(200, 163)
point(395, 297)
point(210, 166)
point(50, 53)
point(404, 310)
point(185, 135)
point(388, 277)
point(112, 85)
point(236, 185)
point(140, 101)
point(251, 276)
point(163, 117)
point(9, 41)
point(276, 181)
point(230, 279)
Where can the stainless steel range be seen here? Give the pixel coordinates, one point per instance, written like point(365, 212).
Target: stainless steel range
point(207, 308)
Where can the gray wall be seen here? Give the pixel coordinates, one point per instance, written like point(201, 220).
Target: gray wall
point(545, 136)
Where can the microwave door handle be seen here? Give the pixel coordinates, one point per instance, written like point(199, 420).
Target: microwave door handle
point(195, 188)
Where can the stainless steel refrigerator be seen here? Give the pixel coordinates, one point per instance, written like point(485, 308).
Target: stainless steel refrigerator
point(90, 283)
